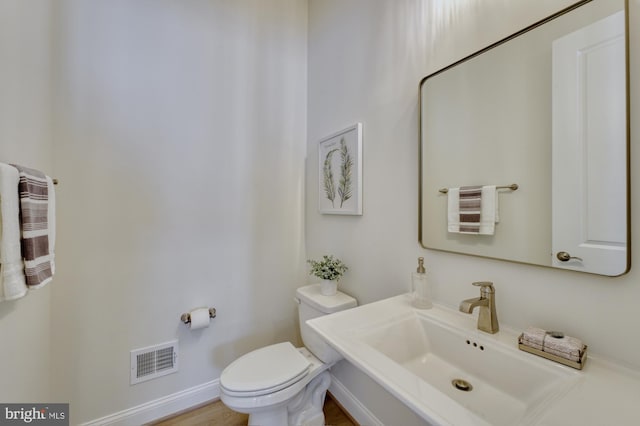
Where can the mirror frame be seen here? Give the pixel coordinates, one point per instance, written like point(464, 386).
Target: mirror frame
point(628, 133)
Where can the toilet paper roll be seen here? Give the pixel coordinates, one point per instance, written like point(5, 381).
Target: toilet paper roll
point(199, 318)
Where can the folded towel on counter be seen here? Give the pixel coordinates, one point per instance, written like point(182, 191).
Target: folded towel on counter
point(565, 347)
point(472, 210)
point(576, 356)
point(12, 280)
point(534, 335)
point(37, 204)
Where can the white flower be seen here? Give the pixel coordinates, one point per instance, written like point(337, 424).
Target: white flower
point(329, 268)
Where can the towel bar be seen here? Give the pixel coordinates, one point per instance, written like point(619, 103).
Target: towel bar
point(512, 187)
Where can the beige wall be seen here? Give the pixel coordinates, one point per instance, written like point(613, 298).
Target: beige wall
point(178, 144)
point(176, 130)
point(25, 138)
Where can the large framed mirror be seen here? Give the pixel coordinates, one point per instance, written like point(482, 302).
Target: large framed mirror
point(543, 116)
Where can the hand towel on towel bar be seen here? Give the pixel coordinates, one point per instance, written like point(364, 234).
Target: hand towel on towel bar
point(12, 280)
point(37, 206)
point(489, 212)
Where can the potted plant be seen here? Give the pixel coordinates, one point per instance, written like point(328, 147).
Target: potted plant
point(329, 270)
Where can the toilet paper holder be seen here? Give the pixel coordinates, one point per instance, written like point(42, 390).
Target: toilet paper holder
point(186, 318)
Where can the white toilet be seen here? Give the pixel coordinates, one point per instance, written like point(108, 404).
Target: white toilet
point(283, 385)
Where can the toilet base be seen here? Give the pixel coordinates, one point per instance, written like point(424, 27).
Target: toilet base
point(276, 416)
point(305, 409)
point(308, 411)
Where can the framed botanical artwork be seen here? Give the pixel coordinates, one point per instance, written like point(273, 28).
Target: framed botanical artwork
point(340, 172)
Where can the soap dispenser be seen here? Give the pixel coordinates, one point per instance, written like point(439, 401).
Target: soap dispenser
point(421, 292)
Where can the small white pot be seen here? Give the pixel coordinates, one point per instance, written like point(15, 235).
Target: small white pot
point(328, 287)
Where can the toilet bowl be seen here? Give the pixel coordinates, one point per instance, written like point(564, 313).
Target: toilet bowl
point(283, 385)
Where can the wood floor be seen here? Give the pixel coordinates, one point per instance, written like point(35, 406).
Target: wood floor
point(217, 414)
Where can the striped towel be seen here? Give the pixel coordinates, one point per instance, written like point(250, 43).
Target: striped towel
point(462, 212)
point(38, 230)
point(470, 204)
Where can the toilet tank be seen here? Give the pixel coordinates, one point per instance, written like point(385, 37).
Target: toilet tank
point(312, 304)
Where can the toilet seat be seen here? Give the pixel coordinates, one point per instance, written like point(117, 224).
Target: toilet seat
point(264, 371)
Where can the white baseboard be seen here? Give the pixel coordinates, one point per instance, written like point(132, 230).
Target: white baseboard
point(183, 400)
point(356, 409)
point(161, 407)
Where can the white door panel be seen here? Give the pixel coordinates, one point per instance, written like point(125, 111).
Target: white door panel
point(589, 144)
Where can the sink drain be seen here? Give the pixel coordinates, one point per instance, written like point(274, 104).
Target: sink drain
point(461, 385)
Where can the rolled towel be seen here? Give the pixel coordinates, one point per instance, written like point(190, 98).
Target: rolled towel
point(532, 345)
point(535, 336)
point(565, 346)
point(560, 345)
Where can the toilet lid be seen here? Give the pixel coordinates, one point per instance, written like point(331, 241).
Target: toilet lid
point(265, 370)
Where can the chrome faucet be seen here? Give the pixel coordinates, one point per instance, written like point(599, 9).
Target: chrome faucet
point(487, 318)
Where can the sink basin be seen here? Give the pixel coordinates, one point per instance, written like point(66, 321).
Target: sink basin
point(442, 367)
point(500, 386)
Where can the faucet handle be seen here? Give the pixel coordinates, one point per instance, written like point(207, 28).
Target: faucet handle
point(485, 286)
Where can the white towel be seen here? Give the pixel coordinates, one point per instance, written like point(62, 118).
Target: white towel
point(12, 279)
point(566, 346)
point(534, 335)
point(489, 210)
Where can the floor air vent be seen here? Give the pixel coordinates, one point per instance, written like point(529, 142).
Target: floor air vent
point(154, 361)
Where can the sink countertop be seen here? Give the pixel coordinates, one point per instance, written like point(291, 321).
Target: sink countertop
point(601, 393)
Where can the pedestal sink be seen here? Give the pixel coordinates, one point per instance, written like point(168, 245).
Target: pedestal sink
point(482, 376)
point(442, 367)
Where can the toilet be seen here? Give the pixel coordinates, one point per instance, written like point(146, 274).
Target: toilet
point(283, 385)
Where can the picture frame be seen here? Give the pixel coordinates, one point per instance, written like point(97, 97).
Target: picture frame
point(340, 172)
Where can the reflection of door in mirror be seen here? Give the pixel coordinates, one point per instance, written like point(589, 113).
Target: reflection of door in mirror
point(588, 147)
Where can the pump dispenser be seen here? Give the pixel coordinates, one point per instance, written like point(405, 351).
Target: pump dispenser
point(421, 292)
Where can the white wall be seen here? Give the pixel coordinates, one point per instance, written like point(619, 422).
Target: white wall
point(25, 138)
point(179, 147)
point(365, 62)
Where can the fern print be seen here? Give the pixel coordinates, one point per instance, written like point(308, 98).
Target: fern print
point(329, 186)
point(346, 166)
